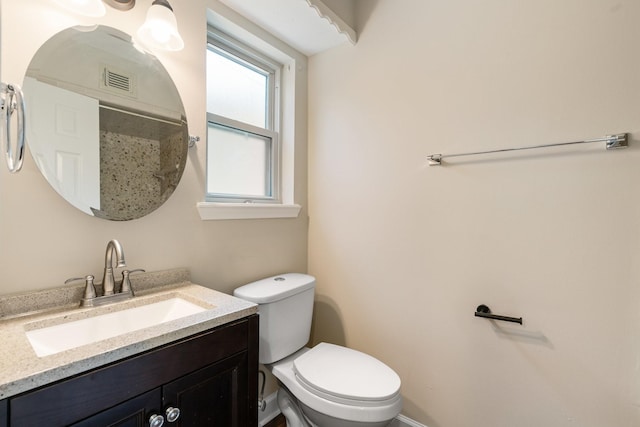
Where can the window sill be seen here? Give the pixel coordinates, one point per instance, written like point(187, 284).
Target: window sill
point(221, 211)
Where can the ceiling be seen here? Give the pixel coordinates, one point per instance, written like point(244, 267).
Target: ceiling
point(309, 26)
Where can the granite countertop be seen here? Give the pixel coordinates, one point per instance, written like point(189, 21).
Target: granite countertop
point(22, 370)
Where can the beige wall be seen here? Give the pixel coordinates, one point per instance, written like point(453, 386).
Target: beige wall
point(404, 253)
point(43, 240)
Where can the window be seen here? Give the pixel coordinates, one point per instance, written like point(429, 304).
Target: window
point(256, 95)
point(243, 147)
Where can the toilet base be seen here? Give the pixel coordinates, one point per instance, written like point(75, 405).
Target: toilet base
point(290, 409)
point(298, 414)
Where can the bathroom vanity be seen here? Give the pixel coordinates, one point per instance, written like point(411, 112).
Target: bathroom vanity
point(198, 370)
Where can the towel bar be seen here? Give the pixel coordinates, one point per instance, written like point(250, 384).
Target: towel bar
point(613, 142)
point(484, 311)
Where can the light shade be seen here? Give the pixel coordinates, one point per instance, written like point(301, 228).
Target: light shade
point(160, 29)
point(93, 8)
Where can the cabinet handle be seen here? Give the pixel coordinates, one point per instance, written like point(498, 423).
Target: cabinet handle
point(156, 420)
point(172, 414)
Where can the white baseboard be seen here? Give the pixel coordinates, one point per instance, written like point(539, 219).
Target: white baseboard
point(271, 411)
point(402, 421)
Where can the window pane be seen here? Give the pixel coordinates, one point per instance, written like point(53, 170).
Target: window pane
point(237, 162)
point(236, 91)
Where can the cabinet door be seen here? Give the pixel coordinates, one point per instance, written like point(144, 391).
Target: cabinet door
point(214, 396)
point(132, 413)
point(4, 415)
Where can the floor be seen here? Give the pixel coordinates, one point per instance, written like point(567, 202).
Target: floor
point(278, 421)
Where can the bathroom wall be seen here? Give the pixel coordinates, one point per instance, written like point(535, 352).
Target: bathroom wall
point(404, 252)
point(44, 240)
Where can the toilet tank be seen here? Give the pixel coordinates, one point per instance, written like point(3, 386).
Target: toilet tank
point(285, 305)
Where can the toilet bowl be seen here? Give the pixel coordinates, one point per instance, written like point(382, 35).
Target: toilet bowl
point(336, 386)
point(324, 386)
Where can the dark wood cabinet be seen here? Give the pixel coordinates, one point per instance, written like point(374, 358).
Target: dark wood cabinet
point(207, 397)
point(210, 377)
point(132, 413)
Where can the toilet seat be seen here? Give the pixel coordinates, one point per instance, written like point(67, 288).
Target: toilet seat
point(345, 375)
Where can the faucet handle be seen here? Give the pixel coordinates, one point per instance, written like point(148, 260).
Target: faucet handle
point(126, 283)
point(89, 290)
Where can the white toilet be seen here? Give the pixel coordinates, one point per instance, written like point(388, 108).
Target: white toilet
point(324, 386)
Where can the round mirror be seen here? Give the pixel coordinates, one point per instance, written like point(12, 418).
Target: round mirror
point(105, 123)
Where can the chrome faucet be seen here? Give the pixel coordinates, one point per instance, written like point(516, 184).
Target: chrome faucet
point(108, 282)
point(109, 295)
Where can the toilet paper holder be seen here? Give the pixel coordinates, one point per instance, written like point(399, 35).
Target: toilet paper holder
point(484, 311)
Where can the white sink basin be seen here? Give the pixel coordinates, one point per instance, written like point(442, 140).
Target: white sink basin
point(54, 339)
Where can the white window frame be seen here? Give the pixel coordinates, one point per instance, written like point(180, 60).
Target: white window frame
point(273, 169)
point(245, 56)
point(224, 21)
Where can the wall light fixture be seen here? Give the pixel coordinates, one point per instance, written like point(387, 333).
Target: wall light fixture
point(159, 30)
point(121, 4)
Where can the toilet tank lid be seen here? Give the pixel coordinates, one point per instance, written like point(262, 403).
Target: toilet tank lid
point(275, 288)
